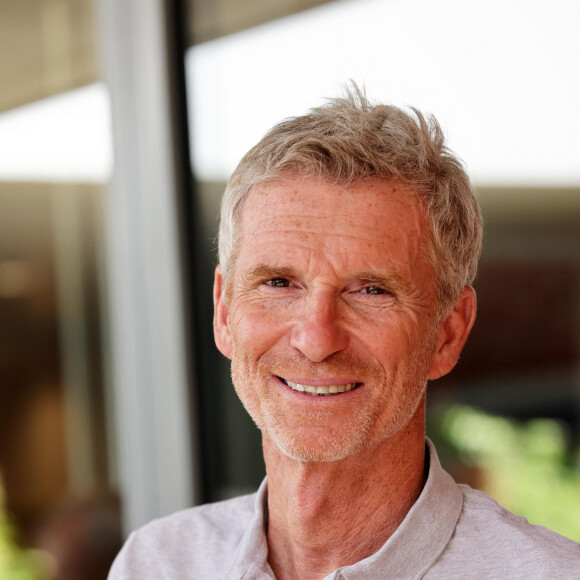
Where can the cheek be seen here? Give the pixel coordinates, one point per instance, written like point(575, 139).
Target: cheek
point(404, 349)
point(390, 341)
point(253, 328)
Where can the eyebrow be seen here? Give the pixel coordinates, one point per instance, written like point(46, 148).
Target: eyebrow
point(263, 272)
point(392, 280)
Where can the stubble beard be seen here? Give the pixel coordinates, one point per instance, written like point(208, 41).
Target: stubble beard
point(401, 392)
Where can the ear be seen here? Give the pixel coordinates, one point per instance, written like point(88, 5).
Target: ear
point(453, 334)
point(221, 329)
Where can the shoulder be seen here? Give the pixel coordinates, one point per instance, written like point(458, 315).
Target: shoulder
point(495, 543)
point(196, 542)
point(224, 519)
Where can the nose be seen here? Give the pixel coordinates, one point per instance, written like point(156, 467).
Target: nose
point(318, 331)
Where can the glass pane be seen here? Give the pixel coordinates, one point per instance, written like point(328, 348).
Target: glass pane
point(55, 157)
point(502, 89)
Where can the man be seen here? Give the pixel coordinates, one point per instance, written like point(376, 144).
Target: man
point(349, 240)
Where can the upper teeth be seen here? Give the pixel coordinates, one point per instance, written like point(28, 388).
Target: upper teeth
point(319, 389)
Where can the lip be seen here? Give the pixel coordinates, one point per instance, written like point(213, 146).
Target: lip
point(324, 382)
point(315, 383)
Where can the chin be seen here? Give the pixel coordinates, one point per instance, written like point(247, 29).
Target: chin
point(305, 453)
point(365, 431)
point(324, 448)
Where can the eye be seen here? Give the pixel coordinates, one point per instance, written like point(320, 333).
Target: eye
point(373, 290)
point(278, 283)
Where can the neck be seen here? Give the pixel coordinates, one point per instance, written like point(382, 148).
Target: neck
point(326, 515)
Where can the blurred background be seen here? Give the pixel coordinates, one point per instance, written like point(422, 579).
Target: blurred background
point(119, 125)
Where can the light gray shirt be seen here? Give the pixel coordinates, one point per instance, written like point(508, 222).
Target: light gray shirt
point(451, 532)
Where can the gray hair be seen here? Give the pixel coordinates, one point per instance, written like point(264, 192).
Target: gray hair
point(348, 140)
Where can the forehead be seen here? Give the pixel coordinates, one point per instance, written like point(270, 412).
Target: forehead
point(374, 219)
point(378, 205)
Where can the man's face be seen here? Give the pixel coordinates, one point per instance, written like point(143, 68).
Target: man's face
point(331, 294)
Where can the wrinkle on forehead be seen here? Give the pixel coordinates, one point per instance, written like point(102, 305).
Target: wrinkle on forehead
point(366, 194)
point(300, 217)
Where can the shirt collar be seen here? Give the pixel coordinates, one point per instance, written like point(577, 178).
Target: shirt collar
point(251, 558)
point(421, 537)
point(408, 553)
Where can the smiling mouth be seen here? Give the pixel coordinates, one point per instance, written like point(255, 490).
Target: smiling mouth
point(320, 390)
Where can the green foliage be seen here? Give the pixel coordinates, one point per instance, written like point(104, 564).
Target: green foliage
point(15, 563)
point(526, 466)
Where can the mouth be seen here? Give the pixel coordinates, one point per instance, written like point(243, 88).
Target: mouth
point(320, 390)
